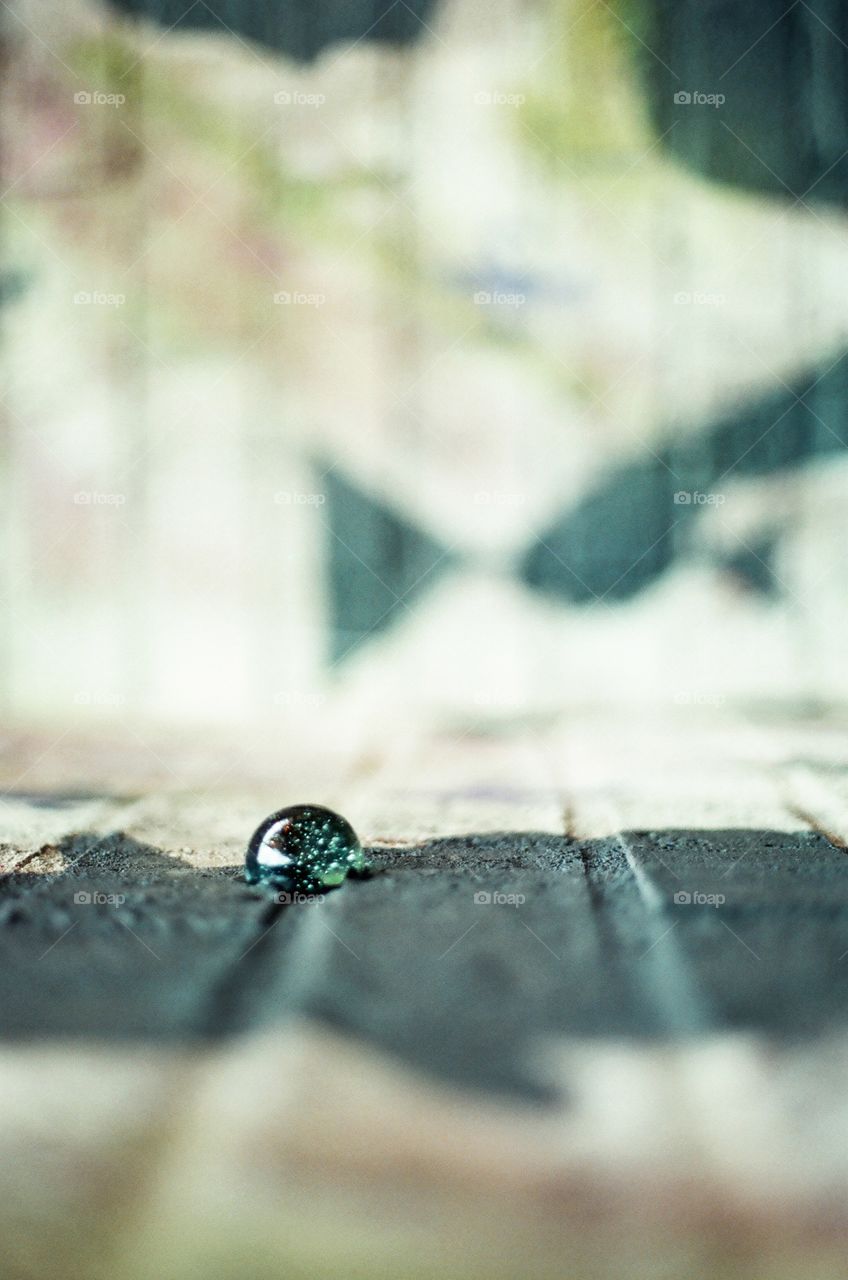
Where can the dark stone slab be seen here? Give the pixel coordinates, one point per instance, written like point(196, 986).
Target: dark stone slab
point(759, 921)
point(460, 956)
point(75, 963)
point(458, 963)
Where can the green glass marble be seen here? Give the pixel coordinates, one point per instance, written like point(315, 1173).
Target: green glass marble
point(304, 849)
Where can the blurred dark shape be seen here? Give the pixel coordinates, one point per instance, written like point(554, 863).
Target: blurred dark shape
point(637, 523)
point(751, 568)
point(749, 92)
point(640, 518)
point(298, 28)
point(782, 70)
point(378, 564)
point(13, 285)
point(614, 543)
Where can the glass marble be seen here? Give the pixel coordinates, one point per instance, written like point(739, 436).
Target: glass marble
point(304, 849)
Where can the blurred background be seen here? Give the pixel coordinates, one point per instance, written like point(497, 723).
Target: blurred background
point(437, 359)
